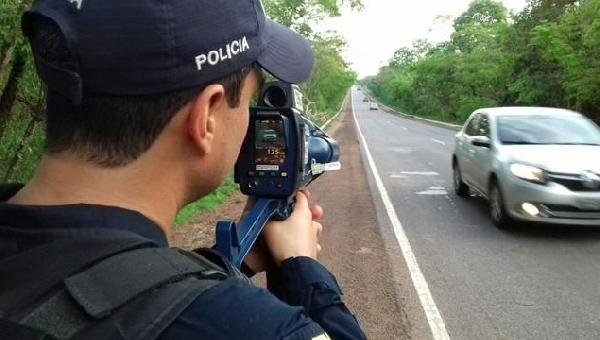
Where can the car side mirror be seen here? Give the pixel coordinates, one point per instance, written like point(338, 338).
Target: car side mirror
point(481, 141)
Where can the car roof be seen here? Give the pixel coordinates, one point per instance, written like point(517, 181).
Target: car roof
point(528, 111)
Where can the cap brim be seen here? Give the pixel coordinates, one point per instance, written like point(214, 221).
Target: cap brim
point(287, 54)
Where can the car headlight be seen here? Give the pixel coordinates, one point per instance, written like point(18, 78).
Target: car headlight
point(529, 173)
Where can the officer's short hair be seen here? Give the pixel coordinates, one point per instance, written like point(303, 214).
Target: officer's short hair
point(110, 130)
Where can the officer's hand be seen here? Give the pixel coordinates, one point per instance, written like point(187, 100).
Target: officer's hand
point(258, 259)
point(298, 235)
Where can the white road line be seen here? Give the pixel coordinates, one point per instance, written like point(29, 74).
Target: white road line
point(434, 318)
point(433, 192)
point(420, 173)
point(438, 141)
point(404, 128)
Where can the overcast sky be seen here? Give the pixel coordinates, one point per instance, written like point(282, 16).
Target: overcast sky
point(386, 25)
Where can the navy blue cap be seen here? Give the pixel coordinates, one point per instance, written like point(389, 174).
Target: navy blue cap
point(144, 47)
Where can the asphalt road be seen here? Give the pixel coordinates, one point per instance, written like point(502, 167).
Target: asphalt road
point(535, 283)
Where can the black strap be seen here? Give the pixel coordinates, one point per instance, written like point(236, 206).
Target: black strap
point(14, 331)
point(59, 317)
point(137, 292)
point(61, 259)
point(116, 280)
point(160, 309)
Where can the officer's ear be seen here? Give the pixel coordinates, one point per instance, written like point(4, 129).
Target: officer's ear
point(201, 117)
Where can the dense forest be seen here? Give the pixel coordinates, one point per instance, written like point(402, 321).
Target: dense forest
point(22, 94)
point(546, 55)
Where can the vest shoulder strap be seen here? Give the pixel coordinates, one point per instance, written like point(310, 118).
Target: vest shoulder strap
point(132, 295)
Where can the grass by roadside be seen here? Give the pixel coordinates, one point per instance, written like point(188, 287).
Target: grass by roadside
point(207, 204)
point(321, 118)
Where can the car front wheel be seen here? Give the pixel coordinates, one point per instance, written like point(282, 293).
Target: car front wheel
point(460, 188)
point(497, 207)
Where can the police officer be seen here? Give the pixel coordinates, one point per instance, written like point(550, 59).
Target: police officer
point(146, 112)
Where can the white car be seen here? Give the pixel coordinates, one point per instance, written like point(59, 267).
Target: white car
point(532, 164)
point(373, 106)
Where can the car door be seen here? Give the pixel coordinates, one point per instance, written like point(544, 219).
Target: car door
point(466, 150)
point(482, 156)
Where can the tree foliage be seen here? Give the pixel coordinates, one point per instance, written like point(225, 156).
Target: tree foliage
point(298, 14)
point(332, 76)
point(572, 45)
point(486, 13)
point(546, 55)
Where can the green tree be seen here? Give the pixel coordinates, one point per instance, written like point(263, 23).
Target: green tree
point(573, 44)
point(535, 81)
point(298, 14)
point(487, 13)
point(547, 55)
point(450, 80)
point(478, 26)
point(331, 77)
point(406, 56)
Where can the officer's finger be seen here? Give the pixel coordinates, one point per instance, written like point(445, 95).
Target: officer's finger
point(318, 227)
point(301, 202)
point(306, 192)
point(317, 212)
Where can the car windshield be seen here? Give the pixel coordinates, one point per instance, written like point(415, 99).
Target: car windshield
point(547, 130)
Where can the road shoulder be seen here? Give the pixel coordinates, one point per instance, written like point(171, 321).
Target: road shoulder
point(353, 248)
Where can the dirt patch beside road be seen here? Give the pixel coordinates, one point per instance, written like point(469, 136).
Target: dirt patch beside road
point(201, 233)
point(353, 248)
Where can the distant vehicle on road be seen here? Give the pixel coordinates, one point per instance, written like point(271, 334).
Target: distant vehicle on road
point(531, 164)
point(373, 106)
point(365, 99)
point(269, 135)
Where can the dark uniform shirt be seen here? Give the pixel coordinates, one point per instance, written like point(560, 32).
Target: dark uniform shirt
point(306, 305)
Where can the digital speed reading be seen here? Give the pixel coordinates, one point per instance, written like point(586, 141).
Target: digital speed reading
point(275, 151)
point(270, 147)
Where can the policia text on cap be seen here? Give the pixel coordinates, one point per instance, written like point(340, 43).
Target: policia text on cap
point(135, 131)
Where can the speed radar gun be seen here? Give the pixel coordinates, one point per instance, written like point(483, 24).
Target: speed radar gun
point(283, 152)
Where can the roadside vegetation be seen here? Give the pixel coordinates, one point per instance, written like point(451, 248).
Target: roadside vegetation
point(207, 204)
point(22, 94)
point(546, 55)
point(332, 77)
